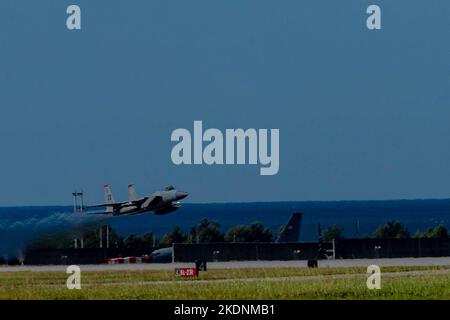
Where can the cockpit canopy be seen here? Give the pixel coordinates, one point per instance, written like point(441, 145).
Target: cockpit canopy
point(169, 188)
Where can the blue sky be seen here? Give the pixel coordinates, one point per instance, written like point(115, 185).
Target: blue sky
point(362, 114)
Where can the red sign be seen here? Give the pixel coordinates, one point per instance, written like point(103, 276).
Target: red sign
point(186, 272)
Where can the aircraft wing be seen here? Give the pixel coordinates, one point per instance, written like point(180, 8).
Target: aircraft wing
point(107, 213)
point(138, 202)
point(149, 201)
point(153, 200)
point(114, 205)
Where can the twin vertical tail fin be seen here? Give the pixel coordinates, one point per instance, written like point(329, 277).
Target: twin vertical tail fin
point(132, 193)
point(291, 231)
point(109, 199)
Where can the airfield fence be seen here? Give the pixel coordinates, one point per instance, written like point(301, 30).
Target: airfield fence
point(80, 256)
point(391, 248)
point(339, 249)
point(343, 249)
point(183, 252)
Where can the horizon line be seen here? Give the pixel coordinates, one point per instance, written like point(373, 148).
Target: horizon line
point(251, 202)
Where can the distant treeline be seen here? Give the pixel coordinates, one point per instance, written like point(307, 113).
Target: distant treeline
point(389, 230)
point(204, 232)
point(209, 231)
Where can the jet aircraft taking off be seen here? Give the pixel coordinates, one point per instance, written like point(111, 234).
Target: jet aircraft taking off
point(161, 202)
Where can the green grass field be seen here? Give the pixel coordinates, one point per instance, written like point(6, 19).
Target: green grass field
point(282, 283)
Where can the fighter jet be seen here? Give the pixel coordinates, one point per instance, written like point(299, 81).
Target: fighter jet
point(161, 202)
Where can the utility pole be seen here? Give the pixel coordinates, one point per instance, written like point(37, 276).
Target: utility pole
point(107, 236)
point(74, 202)
point(78, 195)
point(101, 237)
point(81, 201)
point(78, 208)
point(357, 228)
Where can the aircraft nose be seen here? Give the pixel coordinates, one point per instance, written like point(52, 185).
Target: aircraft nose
point(181, 195)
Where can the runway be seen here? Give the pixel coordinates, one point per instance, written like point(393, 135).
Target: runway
point(348, 263)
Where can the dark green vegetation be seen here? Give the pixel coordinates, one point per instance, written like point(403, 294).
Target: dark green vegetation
point(204, 232)
point(209, 231)
point(439, 231)
point(333, 232)
point(389, 230)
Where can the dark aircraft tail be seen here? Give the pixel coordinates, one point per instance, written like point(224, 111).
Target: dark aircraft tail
point(291, 231)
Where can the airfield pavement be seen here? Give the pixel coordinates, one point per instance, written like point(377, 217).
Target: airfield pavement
point(348, 263)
